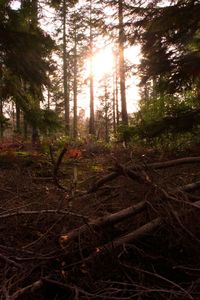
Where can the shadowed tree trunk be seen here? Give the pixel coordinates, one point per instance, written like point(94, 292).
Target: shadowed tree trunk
point(116, 87)
point(1, 117)
point(121, 64)
point(18, 115)
point(91, 122)
point(106, 112)
point(75, 86)
point(65, 72)
point(114, 105)
point(25, 125)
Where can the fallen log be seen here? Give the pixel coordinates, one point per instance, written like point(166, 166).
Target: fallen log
point(130, 171)
point(147, 228)
point(172, 163)
point(117, 217)
point(103, 221)
point(128, 238)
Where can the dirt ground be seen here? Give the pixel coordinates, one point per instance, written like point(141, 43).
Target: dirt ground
point(36, 215)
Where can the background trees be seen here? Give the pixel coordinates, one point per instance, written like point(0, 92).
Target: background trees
point(169, 70)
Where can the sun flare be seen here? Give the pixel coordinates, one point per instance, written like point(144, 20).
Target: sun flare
point(103, 63)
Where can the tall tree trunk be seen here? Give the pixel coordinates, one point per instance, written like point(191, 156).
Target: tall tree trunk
point(65, 72)
point(1, 116)
point(25, 125)
point(48, 98)
point(116, 88)
point(91, 122)
point(34, 22)
point(1, 102)
point(75, 86)
point(122, 64)
point(18, 119)
point(114, 104)
point(106, 112)
point(117, 100)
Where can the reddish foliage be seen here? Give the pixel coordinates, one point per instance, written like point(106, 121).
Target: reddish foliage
point(73, 153)
point(7, 145)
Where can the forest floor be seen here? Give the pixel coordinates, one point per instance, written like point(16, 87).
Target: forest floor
point(152, 252)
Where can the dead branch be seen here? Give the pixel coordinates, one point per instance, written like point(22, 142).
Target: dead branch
point(30, 288)
point(158, 276)
point(102, 181)
point(122, 170)
point(130, 171)
point(41, 212)
point(172, 163)
point(191, 187)
point(9, 261)
point(103, 221)
point(128, 238)
point(56, 169)
point(118, 216)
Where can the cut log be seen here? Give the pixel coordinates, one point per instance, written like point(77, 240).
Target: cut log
point(146, 229)
point(104, 221)
point(128, 238)
point(116, 217)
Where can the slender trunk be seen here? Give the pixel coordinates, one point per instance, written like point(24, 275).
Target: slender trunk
point(106, 112)
point(122, 64)
point(1, 102)
point(18, 119)
point(13, 116)
point(65, 72)
point(116, 89)
point(25, 127)
point(1, 116)
point(114, 105)
point(75, 86)
point(48, 98)
point(91, 123)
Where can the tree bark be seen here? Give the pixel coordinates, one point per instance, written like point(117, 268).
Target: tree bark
point(122, 64)
point(65, 72)
point(1, 116)
point(114, 105)
point(91, 121)
point(75, 133)
point(104, 221)
point(18, 121)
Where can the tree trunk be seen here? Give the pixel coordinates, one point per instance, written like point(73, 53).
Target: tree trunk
point(35, 25)
point(1, 116)
point(18, 115)
point(106, 112)
point(75, 87)
point(25, 125)
point(114, 105)
point(91, 122)
point(65, 72)
point(122, 64)
point(116, 89)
